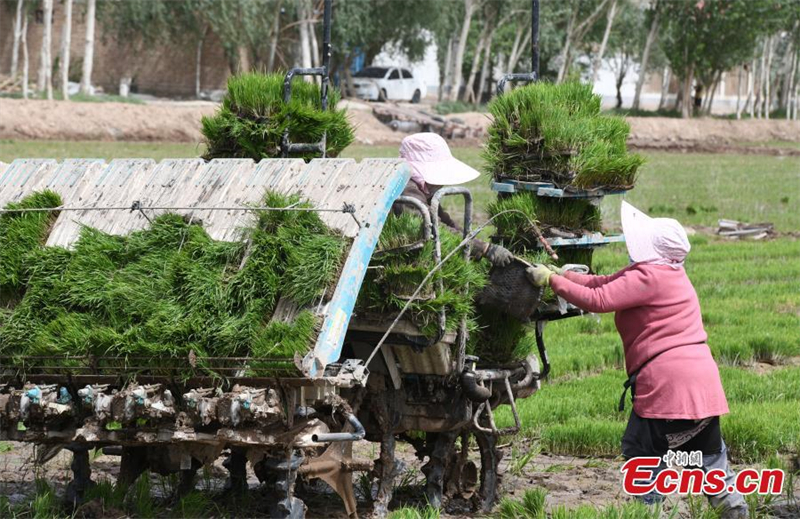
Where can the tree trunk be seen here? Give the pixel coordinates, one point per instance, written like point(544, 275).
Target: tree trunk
point(767, 77)
point(66, 40)
point(447, 82)
point(686, 108)
point(276, 30)
point(312, 33)
point(575, 35)
point(47, 48)
point(469, 89)
point(513, 60)
point(17, 36)
point(243, 55)
point(710, 95)
point(760, 82)
point(25, 61)
point(469, 10)
point(648, 44)
point(749, 98)
point(125, 85)
point(662, 102)
point(305, 37)
point(565, 49)
point(348, 74)
point(739, 95)
point(515, 47)
point(751, 87)
point(620, 79)
point(598, 60)
point(786, 76)
point(791, 86)
point(88, 53)
point(487, 63)
point(198, 63)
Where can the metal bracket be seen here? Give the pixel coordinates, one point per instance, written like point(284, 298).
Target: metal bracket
point(487, 407)
point(435, 203)
point(319, 147)
point(526, 76)
point(137, 206)
point(534, 74)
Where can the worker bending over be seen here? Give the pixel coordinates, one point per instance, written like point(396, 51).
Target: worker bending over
point(675, 385)
point(432, 167)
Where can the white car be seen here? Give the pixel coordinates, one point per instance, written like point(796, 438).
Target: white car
point(388, 84)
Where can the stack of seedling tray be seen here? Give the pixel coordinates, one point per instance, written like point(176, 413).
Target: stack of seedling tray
point(553, 156)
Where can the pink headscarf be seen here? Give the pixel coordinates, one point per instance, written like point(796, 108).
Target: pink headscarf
point(655, 241)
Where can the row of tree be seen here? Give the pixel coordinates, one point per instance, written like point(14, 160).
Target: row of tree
point(29, 9)
point(692, 43)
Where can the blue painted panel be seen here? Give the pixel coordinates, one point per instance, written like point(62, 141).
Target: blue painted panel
point(331, 338)
point(503, 187)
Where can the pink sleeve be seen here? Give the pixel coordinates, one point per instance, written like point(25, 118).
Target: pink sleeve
point(591, 281)
point(627, 289)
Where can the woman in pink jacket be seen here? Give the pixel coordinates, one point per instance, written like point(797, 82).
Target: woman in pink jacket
point(674, 381)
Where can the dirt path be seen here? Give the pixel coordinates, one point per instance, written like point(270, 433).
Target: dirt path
point(169, 121)
point(73, 121)
point(569, 481)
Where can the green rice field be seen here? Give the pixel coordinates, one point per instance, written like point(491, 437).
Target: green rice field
point(749, 292)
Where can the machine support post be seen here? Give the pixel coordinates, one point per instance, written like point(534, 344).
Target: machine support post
point(237, 471)
point(490, 469)
point(81, 475)
point(439, 457)
point(283, 472)
point(386, 471)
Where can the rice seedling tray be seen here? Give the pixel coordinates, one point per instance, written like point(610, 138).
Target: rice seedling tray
point(510, 185)
point(591, 240)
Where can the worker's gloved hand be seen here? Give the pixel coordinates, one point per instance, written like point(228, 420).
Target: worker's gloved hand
point(539, 275)
point(499, 255)
point(556, 269)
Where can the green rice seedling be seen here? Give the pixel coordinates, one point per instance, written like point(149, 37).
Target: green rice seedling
point(140, 498)
point(45, 503)
point(170, 290)
point(311, 267)
point(501, 339)
point(20, 234)
point(556, 133)
point(520, 460)
point(565, 214)
point(531, 506)
point(412, 512)
point(392, 278)
point(109, 494)
point(282, 340)
point(195, 505)
point(253, 116)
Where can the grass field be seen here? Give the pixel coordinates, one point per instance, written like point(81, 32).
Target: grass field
point(749, 293)
point(750, 296)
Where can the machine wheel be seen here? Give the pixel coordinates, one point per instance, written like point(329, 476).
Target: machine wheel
point(382, 97)
point(416, 97)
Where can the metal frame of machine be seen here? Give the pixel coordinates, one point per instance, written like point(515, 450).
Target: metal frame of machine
point(301, 416)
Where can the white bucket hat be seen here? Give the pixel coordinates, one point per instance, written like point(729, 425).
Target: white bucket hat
point(430, 160)
point(661, 241)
